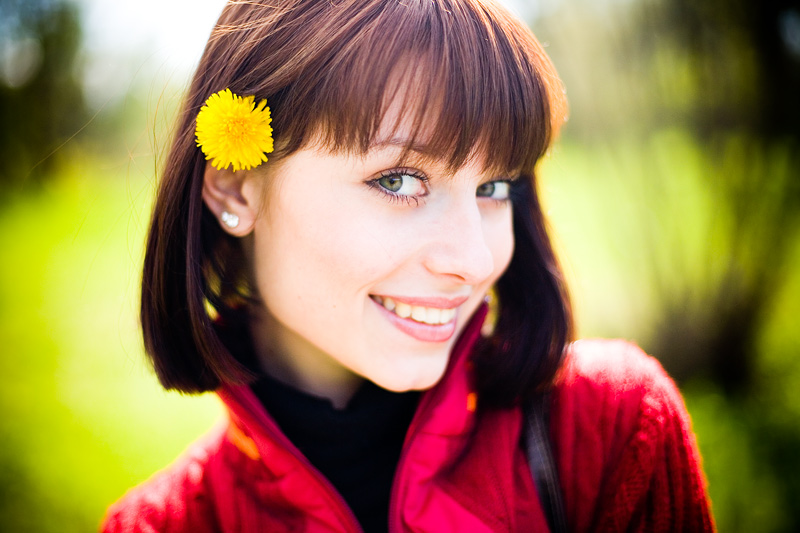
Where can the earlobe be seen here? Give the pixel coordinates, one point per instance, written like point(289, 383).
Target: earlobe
point(224, 195)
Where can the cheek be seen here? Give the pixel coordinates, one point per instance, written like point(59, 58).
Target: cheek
point(313, 259)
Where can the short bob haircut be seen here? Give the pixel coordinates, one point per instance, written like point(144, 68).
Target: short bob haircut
point(326, 68)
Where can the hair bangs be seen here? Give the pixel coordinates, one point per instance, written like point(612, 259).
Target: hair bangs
point(469, 81)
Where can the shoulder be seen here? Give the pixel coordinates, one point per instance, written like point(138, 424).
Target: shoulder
point(174, 499)
point(611, 363)
point(618, 371)
point(624, 443)
point(610, 394)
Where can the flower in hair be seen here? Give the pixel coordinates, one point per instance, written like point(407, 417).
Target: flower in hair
point(233, 130)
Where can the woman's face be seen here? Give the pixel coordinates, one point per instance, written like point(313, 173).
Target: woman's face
point(371, 270)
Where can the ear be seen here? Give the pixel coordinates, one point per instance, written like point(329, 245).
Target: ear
point(224, 191)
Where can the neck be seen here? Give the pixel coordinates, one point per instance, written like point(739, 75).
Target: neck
point(287, 357)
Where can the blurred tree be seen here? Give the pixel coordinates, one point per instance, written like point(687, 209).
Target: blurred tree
point(725, 73)
point(691, 111)
point(41, 99)
point(745, 57)
point(759, 184)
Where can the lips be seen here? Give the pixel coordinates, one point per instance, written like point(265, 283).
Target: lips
point(426, 319)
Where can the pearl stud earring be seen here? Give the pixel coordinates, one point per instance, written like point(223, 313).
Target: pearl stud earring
point(229, 219)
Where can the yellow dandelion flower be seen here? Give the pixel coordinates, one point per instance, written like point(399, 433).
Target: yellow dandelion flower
point(233, 130)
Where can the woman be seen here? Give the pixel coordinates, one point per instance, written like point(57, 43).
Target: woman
point(332, 291)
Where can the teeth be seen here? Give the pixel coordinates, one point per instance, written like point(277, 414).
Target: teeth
point(447, 315)
point(402, 310)
point(426, 315)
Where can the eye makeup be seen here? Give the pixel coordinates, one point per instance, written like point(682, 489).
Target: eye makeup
point(410, 186)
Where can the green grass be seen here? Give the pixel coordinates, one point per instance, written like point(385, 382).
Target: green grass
point(83, 416)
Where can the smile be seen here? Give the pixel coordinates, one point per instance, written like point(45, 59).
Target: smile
point(433, 316)
point(425, 319)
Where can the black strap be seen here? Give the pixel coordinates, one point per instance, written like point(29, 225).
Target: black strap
point(542, 464)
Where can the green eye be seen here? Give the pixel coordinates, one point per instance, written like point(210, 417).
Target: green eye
point(487, 189)
point(496, 190)
point(391, 183)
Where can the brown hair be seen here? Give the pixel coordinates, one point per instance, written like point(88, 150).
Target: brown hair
point(327, 69)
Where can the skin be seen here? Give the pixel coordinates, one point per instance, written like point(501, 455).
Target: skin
point(328, 232)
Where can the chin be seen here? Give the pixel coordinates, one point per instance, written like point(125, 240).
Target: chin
point(403, 382)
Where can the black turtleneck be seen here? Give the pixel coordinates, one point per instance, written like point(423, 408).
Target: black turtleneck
point(356, 448)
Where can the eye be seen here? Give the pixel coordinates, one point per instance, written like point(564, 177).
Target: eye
point(401, 184)
point(496, 190)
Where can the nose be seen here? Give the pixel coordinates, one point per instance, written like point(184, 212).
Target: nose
point(458, 247)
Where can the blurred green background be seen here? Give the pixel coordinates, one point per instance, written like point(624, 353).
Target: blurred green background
point(674, 195)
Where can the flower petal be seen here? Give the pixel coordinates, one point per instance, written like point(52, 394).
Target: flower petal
point(234, 131)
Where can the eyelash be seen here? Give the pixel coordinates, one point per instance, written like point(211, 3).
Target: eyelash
point(393, 196)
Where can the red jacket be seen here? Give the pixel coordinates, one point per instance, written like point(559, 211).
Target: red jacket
point(626, 457)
